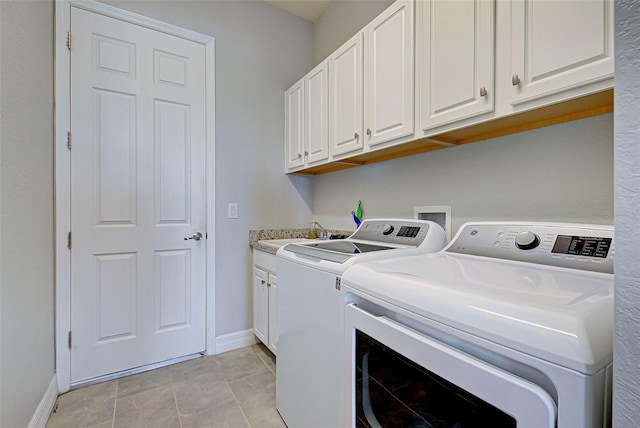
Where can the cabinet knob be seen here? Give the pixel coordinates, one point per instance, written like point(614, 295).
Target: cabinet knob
point(299, 155)
point(483, 92)
point(262, 281)
point(369, 132)
point(306, 153)
point(356, 136)
point(515, 80)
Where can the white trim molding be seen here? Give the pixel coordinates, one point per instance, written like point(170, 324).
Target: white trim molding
point(232, 341)
point(63, 171)
point(43, 411)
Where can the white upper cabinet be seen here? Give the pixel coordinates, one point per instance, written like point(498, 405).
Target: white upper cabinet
point(294, 126)
point(307, 119)
point(345, 97)
point(456, 40)
point(389, 72)
point(316, 114)
point(559, 45)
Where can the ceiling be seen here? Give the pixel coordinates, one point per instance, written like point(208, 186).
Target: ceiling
point(307, 9)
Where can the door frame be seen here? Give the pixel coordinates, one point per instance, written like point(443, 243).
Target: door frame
point(62, 165)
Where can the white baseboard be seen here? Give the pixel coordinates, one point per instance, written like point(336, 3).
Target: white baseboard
point(231, 341)
point(41, 416)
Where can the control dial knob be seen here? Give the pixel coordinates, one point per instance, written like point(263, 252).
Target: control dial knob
point(527, 240)
point(387, 229)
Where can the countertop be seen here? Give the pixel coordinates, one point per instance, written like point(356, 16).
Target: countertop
point(270, 240)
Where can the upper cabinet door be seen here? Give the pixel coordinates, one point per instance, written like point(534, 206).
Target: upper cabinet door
point(457, 45)
point(345, 97)
point(316, 114)
point(294, 126)
point(389, 95)
point(559, 45)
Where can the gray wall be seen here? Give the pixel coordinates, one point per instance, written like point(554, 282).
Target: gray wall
point(26, 208)
point(559, 173)
point(260, 52)
point(340, 21)
point(627, 217)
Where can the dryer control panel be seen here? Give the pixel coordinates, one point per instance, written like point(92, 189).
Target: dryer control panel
point(408, 232)
point(576, 246)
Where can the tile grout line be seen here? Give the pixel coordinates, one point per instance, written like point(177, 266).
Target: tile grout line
point(175, 400)
point(115, 404)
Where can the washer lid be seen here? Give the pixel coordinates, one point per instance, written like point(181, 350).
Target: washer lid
point(561, 315)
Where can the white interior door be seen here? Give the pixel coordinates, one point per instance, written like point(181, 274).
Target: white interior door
point(137, 190)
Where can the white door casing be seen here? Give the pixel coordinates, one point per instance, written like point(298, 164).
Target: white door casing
point(142, 127)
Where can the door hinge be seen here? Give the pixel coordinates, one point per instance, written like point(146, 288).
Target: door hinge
point(69, 339)
point(69, 40)
point(338, 284)
point(69, 140)
point(69, 240)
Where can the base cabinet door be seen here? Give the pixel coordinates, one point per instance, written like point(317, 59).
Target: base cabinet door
point(273, 335)
point(456, 40)
point(261, 305)
point(559, 45)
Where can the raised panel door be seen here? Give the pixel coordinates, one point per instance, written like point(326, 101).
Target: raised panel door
point(294, 126)
point(559, 45)
point(261, 305)
point(345, 97)
point(273, 334)
point(456, 69)
point(137, 190)
point(316, 114)
point(389, 71)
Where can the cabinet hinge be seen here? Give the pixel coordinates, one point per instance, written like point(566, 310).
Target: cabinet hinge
point(338, 284)
point(69, 240)
point(69, 40)
point(69, 140)
point(69, 341)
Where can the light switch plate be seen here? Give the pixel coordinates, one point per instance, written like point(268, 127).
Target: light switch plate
point(232, 210)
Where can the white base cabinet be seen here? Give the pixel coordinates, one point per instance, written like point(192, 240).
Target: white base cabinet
point(264, 299)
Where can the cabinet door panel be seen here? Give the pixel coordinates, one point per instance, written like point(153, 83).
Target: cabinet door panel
point(294, 126)
point(457, 60)
point(273, 334)
point(559, 45)
point(261, 305)
point(345, 97)
point(316, 114)
point(389, 95)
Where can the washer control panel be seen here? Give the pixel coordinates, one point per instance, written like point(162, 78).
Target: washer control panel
point(394, 231)
point(576, 246)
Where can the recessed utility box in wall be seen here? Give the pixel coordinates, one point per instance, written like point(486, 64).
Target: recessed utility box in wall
point(440, 214)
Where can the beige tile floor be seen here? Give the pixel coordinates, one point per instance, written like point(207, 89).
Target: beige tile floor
point(233, 389)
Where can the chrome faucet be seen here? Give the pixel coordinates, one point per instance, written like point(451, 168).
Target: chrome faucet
point(323, 232)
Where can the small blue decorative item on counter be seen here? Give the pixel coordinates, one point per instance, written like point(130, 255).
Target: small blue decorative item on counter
point(355, 218)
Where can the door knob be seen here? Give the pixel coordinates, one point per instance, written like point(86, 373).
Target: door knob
point(196, 237)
